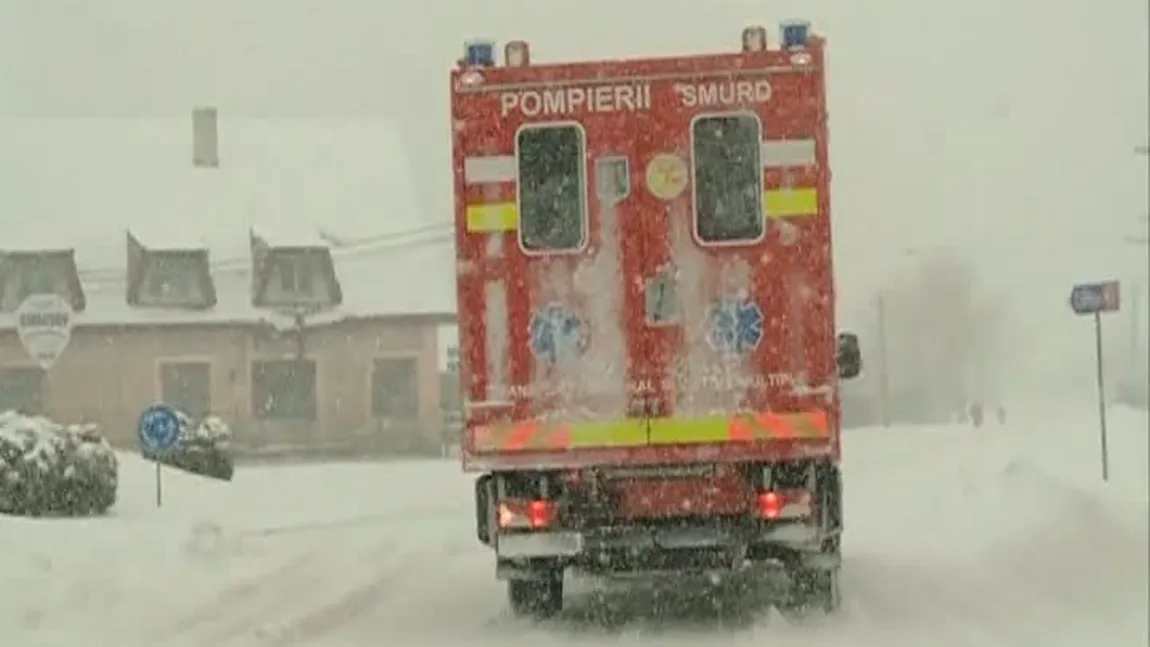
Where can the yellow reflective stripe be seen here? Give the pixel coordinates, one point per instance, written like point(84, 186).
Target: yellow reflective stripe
point(777, 203)
point(615, 433)
point(686, 431)
point(790, 203)
point(488, 218)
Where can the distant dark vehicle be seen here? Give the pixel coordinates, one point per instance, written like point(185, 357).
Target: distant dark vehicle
point(204, 448)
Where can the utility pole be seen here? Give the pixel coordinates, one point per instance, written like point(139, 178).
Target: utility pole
point(1137, 290)
point(1141, 240)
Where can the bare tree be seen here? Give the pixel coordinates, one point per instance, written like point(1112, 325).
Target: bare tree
point(944, 330)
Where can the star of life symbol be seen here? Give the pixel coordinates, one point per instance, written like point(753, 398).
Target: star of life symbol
point(557, 334)
point(735, 326)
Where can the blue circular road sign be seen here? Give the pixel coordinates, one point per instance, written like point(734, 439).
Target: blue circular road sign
point(159, 429)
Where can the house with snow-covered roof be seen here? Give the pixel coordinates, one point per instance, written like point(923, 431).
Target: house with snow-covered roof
point(300, 327)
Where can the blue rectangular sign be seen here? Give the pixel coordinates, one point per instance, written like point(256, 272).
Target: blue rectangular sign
point(1092, 298)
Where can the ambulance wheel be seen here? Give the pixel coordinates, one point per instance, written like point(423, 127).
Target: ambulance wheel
point(813, 590)
point(536, 598)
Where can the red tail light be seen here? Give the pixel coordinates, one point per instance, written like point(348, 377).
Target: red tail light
point(540, 514)
point(520, 514)
point(784, 504)
point(770, 505)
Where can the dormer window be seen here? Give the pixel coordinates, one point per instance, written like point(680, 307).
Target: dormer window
point(169, 278)
point(293, 276)
point(24, 273)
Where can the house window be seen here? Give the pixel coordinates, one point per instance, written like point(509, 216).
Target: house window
point(22, 390)
point(284, 389)
point(173, 279)
point(395, 388)
point(295, 276)
point(187, 386)
point(552, 187)
point(728, 174)
point(38, 278)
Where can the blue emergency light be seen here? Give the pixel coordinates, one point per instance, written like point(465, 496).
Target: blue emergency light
point(479, 53)
point(794, 33)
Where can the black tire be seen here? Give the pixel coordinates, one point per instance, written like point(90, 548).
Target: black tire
point(813, 590)
point(536, 598)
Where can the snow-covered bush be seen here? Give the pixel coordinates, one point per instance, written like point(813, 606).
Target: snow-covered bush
point(51, 469)
point(204, 448)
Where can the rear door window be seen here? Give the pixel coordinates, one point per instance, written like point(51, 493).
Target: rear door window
point(727, 166)
point(552, 187)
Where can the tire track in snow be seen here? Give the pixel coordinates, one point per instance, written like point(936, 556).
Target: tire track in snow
point(239, 595)
point(243, 609)
point(254, 619)
point(385, 584)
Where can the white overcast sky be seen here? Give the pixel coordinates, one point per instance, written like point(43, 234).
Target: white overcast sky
point(1003, 129)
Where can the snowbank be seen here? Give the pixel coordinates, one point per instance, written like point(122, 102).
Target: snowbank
point(49, 468)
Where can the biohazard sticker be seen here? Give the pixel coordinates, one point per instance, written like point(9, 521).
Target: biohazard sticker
point(666, 176)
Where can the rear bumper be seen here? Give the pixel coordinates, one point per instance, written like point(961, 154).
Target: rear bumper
point(647, 550)
point(776, 449)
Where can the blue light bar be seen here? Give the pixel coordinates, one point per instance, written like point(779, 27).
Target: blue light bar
point(479, 53)
point(794, 33)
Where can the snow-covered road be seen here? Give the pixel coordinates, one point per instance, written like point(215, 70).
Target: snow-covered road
point(956, 537)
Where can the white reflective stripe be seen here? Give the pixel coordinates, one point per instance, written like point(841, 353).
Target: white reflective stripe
point(783, 153)
point(496, 340)
point(795, 510)
point(489, 170)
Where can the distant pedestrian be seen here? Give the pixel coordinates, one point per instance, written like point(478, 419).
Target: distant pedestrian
point(976, 414)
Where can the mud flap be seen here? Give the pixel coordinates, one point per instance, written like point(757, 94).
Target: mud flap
point(538, 597)
point(484, 512)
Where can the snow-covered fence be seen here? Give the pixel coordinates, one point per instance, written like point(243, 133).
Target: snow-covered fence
point(204, 448)
point(51, 469)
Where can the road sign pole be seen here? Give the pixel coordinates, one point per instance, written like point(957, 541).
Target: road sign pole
point(1094, 299)
point(159, 486)
point(1101, 395)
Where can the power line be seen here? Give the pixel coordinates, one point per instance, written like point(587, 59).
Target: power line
point(344, 248)
point(347, 249)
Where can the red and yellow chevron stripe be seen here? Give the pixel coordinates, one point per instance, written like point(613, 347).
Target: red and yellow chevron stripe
point(549, 436)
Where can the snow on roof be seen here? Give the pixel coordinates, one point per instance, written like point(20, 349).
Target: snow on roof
point(375, 281)
point(289, 236)
point(165, 239)
point(344, 183)
point(20, 242)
